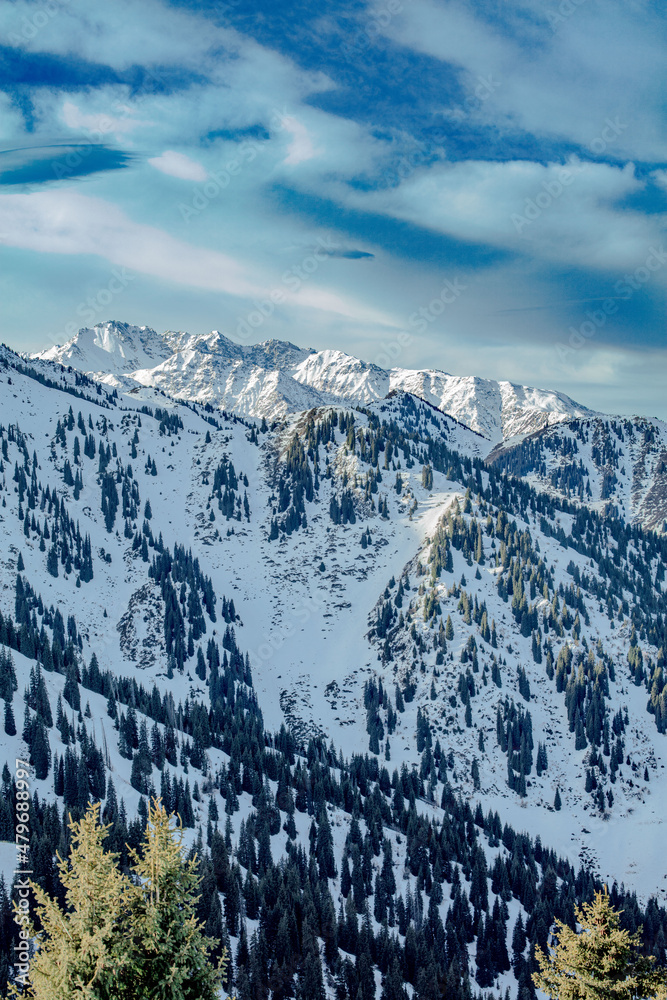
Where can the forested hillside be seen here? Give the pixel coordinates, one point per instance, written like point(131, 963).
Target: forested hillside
point(409, 702)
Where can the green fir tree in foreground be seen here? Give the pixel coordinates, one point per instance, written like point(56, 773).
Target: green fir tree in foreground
point(123, 937)
point(601, 963)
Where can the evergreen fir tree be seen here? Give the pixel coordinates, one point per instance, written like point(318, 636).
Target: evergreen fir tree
point(121, 937)
point(52, 561)
point(169, 952)
point(10, 723)
point(40, 750)
point(81, 952)
point(603, 961)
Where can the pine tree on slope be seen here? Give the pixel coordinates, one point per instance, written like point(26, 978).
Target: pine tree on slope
point(120, 937)
point(601, 963)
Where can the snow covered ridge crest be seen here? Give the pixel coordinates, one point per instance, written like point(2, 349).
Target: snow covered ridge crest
point(556, 443)
point(117, 347)
point(274, 378)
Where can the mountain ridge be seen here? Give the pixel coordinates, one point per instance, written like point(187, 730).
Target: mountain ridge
point(247, 378)
point(274, 379)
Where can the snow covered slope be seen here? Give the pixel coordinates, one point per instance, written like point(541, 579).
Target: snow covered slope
point(604, 462)
point(361, 577)
point(276, 378)
point(498, 410)
point(312, 602)
point(118, 347)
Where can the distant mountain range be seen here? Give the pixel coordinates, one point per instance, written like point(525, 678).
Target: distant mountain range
point(275, 378)
point(559, 445)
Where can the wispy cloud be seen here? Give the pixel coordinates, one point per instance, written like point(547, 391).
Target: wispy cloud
point(178, 165)
point(555, 212)
point(430, 141)
point(52, 222)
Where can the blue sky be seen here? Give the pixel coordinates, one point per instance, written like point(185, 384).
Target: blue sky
point(477, 187)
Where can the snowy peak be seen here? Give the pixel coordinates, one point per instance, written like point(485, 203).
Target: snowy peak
point(276, 354)
point(274, 378)
point(269, 354)
point(497, 410)
point(209, 343)
point(111, 347)
point(343, 377)
point(240, 384)
point(524, 409)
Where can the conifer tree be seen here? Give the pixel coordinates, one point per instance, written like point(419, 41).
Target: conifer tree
point(169, 951)
point(52, 561)
point(81, 953)
point(40, 750)
point(600, 963)
point(123, 937)
point(10, 724)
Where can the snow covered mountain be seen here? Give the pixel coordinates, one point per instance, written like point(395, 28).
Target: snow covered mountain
point(602, 461)
point(116, 346)
point(410, 702)
point(274, 378)
point(497, 410)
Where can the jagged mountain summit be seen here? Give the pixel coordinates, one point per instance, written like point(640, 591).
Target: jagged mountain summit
point(274, 378)
point(118, 347)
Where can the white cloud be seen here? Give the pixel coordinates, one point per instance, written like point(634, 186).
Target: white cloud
point(601, 62)
point(178, 165)
point(330, 302)
point(558, 85)
point(301, 147)
point(99, 124)
point(122, 34)
point(451, 32)
point(66, 222)
point(555, 212)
